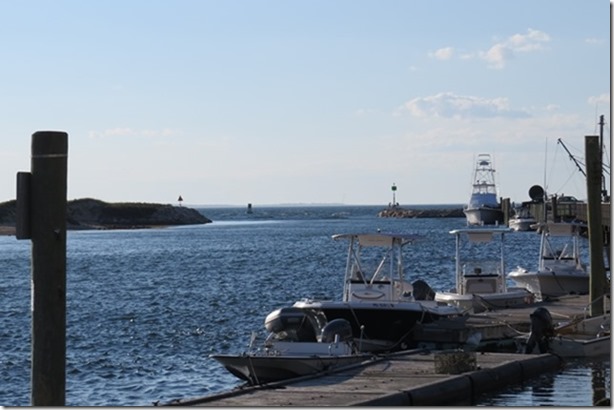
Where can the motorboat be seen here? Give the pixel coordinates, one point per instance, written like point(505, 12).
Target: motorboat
point(560, 270)
point(480, 273)
point(484, 207)
point(522, 220)
point(381, 306)
point(300, 343)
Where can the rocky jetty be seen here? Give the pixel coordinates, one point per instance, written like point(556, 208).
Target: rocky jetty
point(90, 213)
point(399, 212)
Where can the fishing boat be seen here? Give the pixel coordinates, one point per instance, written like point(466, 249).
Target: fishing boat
point(300, 343)
point(381, 306)
point(480, 273)
point(560, 270)
point(484, 207)
point(522, 220)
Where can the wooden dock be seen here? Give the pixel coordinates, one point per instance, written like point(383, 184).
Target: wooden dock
point(405, 378)
point(412, 378)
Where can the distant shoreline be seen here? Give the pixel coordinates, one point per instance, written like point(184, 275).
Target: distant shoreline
point(94, 214)
point(91, 214)
point(306, 205)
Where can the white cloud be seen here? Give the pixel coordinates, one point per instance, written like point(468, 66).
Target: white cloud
point(497, 55)
point(501, 52)
point(445, 53)
point(599, 99)
point(450, 105)
point(531, 41)
point(593, 40)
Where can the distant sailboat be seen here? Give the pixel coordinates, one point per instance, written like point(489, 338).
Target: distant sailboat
point(484, 207)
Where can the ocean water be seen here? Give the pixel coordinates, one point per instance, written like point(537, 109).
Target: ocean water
point(145, 308)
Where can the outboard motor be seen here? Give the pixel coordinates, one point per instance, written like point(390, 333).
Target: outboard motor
point(335, 327)
point(295, 324)
point(422, 291)
point(542, 330)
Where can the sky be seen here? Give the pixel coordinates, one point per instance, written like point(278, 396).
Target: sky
point(304, 102)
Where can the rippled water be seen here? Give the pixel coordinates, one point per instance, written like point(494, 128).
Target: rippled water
point(145, 308)
point(582, 383)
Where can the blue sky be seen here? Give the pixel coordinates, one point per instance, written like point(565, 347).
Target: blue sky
point(320, 101)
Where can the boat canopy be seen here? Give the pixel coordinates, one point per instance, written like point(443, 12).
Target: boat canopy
point(563, 228)
point(378, 239)
point(477, 235)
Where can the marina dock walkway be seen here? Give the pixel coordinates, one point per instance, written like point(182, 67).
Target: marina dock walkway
point(405, 378)
point(415, 377)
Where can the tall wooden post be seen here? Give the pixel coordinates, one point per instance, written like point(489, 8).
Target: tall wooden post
point(47, 225)
point(595, 234)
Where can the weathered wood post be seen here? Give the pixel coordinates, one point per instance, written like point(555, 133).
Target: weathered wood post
point(41, 210)
point(595, 234)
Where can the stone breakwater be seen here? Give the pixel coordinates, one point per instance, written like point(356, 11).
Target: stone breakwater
point(398, 212)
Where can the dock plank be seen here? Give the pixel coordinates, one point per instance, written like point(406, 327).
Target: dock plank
point(408, 379)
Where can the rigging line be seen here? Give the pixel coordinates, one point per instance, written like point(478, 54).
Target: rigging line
point(360, 325)
point(411, 330)
point(566, 182)
point(552, 166)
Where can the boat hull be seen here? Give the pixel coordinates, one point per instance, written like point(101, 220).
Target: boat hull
point(266, 369)
point(389, 323)
point(483, 216)
point(549, 284)
point(487, 301)
point(520, 224)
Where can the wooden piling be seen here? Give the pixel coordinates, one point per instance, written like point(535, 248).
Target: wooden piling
point(595, 234)
point(48, 235)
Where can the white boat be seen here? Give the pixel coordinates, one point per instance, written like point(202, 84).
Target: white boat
point(560, 270)
point(484, 207)
point(586, 337)
point(480, 273)
point(522, 220)
point(381, 306)
point(297, 346)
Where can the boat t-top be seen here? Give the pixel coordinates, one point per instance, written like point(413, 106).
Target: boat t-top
point(480, 272)
point(560, 270)
point(378, 302)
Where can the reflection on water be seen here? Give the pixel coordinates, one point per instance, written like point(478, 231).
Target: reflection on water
point(569, 387)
